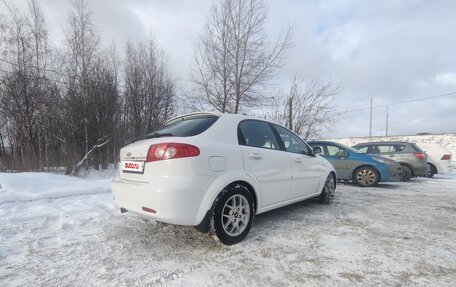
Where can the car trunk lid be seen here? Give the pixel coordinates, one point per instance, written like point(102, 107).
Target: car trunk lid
point(133, 158)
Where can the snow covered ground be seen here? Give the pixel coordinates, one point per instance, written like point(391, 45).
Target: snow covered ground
point(64, 231)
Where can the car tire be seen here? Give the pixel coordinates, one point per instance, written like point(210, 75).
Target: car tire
point(407, 173)
point(327, 194)
point(366, 176)
point(431, 171)
point(232, 215)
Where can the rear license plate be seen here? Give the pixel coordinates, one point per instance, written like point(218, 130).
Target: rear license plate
point(132, 166)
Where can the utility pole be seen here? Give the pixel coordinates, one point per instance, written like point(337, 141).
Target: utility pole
point(370, 119)
point(290, 113)
point(386, 130)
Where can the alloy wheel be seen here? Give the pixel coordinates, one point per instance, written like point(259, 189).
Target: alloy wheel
point(366, 177)
point(235, 215)
point(330, 184)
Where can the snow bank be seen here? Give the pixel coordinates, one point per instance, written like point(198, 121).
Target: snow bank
point(36, 185)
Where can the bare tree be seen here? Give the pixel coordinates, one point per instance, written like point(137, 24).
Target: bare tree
point(149, 90)
point(307, 108)
point(20, 100)
point(27, 92)
point(67, 107)
point(41, 84)
point(82, 46)
point(234, 59)
point(91, 99)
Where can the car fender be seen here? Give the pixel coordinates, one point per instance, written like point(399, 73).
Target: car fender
point(219, 184)
point(378, 168)
point(328, 167)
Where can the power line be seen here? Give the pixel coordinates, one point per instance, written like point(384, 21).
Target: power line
point(450, 94)
point(116, 83)
point(406, 116)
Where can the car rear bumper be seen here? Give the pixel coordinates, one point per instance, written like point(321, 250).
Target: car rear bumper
point(444, 168)
point(420, 170)
point(175, 200)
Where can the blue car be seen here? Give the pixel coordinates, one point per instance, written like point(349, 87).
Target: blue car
point(350, 164)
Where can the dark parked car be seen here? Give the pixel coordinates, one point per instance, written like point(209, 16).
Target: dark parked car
point(363, 169)
point(412, 159)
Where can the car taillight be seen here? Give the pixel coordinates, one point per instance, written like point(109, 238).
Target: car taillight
point(419, 155)
point(171, 150)
point(446, 157)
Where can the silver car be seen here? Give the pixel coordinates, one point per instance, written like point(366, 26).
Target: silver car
point(412, 159)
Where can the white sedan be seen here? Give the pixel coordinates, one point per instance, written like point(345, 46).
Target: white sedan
point(216, 172)
point(438, 158)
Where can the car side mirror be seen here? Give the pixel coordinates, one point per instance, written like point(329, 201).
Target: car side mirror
point(316, 150)
point(342, 154)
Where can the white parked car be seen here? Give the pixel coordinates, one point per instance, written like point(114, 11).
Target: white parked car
point(438, 158)
point(217, 172)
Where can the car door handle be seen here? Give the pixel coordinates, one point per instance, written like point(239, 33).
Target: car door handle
point(391, 155)
point(255, 156)
point(298, 159)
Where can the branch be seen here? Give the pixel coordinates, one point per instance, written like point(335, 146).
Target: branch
point(97, 145)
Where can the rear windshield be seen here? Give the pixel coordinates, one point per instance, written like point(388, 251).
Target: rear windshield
point(416, 148)
point(184, 127)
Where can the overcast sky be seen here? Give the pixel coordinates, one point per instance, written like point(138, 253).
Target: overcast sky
point(394, 51)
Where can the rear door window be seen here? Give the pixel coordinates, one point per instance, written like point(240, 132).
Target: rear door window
point(385, 148)
point(361, 149)
point(257, 134)
point(398, 148)
point(373, 149)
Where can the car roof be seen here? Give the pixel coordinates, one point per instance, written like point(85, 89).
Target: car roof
point(384, 142)
point(227, 116)
point(322, 142)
